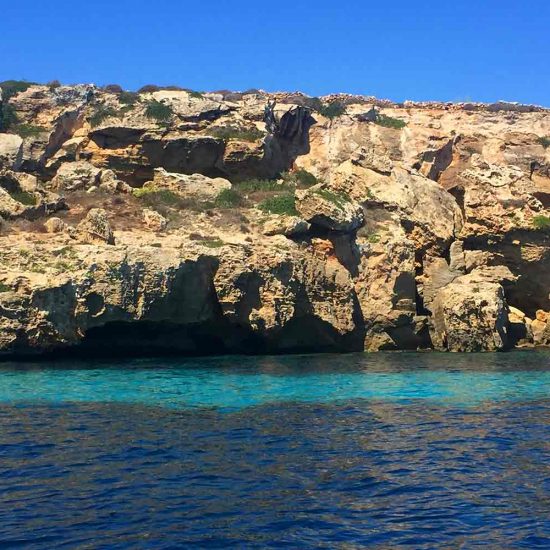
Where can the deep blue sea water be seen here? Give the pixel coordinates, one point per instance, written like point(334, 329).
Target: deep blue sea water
point(329, 451)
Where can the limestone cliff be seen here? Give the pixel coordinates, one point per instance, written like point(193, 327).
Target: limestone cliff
point(176, 221)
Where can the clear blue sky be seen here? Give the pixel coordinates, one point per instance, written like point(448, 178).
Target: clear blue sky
point(481, 50)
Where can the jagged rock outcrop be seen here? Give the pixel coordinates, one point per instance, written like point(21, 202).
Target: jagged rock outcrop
point(328, 209)
point(194, 222)
point(95, 228)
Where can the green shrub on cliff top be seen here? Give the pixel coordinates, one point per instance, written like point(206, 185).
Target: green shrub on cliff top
point(148, 89)
point(544, 141)
point(280, 204)
point(329, 110)
point(102, 113)
point(13, 87)
point(158, 111)
point(128, 98)
point(53, 85)
point(333, 110)
point(389, 122)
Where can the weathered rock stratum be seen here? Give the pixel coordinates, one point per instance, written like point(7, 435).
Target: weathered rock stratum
point(173, 221)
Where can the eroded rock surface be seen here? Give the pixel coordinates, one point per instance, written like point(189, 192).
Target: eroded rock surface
point(224, 222)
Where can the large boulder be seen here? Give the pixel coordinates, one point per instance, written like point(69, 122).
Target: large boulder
point(55, 225)
point(329, 209)
point(194, 186)
point(82, 175)
point(73, 176)
point(470, 314)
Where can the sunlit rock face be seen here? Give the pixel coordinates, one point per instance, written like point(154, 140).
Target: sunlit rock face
point(186, 222)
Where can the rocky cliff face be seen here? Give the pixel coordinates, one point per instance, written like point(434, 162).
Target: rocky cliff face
point(177, 221)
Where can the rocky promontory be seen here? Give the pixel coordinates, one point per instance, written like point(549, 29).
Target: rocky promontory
point(174, 221)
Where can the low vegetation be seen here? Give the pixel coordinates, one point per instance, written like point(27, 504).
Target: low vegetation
point(28, 130)
point(542, 223)
point(158, 111)
point(273, 196)
point(8, 117)
point(24, 197)
point(153, 196)
point(166, 202)
point(338, 199)
point(66, 252)
point(255, 185)
point(128, 98)
point(102, 113)
point(53, 85)
point(330, 110)
point(234, 133)
point(279, 204)
point(301, 179)
point(228, 198)
point(212, 243)
point(149, 88)
point(544, 141)
point(373, 238)
point(5, 288)
point(389, 122)
point(13, 87)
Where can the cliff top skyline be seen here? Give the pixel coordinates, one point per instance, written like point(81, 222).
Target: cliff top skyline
point(471, 52)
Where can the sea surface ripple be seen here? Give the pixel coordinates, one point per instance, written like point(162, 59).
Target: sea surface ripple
point(335, 451)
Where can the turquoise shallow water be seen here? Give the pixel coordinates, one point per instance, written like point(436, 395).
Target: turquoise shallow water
point(231, 383)
point(381, 451)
